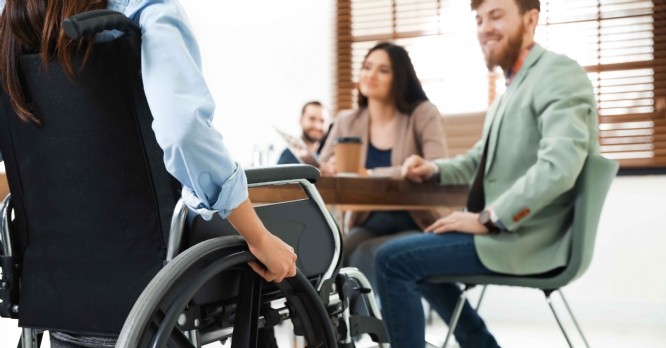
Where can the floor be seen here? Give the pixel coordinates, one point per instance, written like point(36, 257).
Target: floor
point(509, 331)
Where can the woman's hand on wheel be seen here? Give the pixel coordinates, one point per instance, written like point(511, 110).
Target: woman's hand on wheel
point(278, 260)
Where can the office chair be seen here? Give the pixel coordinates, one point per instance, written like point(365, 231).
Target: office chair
point(592, 186)
point(94, 218)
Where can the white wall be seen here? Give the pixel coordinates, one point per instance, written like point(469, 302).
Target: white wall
point(263, 60)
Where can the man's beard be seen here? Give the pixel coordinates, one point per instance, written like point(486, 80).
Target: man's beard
point(509, 54)
point(308, 138)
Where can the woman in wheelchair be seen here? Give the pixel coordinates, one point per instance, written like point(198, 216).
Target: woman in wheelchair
point(106, 139)
point(181, 106)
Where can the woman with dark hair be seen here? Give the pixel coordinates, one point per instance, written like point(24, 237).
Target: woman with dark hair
point(180, 103)
point(394, 120)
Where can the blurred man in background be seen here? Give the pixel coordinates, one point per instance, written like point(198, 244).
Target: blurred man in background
point(314, 123)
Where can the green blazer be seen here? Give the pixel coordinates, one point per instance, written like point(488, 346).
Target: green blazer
point(540, 132)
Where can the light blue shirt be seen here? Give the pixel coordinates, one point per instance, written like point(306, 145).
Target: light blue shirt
point(183, 108)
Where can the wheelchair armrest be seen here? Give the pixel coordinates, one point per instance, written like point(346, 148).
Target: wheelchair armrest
point(97, 21)
point(285, 172)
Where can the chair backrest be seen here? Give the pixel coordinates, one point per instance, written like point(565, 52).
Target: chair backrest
point(303, 223)
point(92, 197)
point(592, 187)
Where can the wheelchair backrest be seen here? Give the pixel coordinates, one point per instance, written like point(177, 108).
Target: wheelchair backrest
point(92, 198)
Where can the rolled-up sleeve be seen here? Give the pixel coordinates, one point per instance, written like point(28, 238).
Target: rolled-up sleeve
point(182, 108)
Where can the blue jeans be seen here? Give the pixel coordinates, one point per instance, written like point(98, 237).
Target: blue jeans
point(360, 246)
point(402, 265)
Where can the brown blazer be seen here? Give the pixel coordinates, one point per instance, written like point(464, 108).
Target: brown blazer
point(420, 133)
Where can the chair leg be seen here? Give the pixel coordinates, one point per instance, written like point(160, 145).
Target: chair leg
point(456, 314)
point(557, 318)
point(478, 303)
point(580, 331)
point(559, 322)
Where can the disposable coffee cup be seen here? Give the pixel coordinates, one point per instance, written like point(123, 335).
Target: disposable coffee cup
point(348, 155)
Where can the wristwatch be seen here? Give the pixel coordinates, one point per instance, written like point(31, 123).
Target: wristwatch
point(488, 218)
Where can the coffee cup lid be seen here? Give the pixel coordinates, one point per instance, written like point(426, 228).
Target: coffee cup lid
point(348, 140)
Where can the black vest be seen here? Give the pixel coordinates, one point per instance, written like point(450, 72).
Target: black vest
point(92, 197)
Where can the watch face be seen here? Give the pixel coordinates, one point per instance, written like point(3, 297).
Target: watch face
point(484, 219)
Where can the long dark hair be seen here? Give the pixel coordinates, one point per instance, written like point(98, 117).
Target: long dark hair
point(33, 26)
point(406, 90)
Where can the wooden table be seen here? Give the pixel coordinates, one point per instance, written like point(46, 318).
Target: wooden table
point(356, 193)
point(369, 193)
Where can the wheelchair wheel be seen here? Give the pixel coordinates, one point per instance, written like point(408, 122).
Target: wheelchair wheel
point(153, 320)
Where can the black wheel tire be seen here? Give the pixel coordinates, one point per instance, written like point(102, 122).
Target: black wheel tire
point(152, 320)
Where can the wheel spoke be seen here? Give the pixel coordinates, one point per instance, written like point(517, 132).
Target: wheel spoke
point(152, 321)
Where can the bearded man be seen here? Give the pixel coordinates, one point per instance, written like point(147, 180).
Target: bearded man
point(522, 172)
point(314, 120)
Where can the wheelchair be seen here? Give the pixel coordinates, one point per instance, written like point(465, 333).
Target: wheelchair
point(97, 241)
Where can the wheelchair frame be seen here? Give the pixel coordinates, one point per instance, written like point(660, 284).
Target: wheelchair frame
point(326, 304)
point(330, 291)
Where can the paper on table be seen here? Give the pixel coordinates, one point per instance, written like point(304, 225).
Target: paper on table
point(298, 147)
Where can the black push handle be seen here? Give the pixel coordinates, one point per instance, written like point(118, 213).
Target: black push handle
point(97, 21)
point(285, 172)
